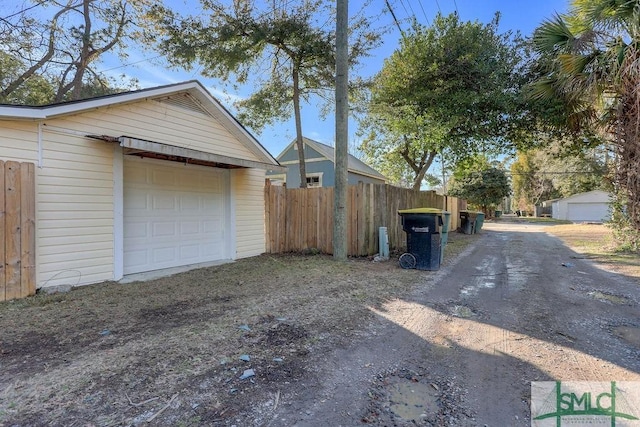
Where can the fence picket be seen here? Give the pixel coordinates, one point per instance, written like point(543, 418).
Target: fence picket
point(27, 229)
point(299, 219)
point(3, 233)
point(12, 231)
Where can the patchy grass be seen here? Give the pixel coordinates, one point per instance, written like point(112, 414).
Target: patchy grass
point(113, 354)
point(531, 219)
point(596, 242)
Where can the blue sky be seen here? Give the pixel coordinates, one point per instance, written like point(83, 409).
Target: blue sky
point(522, 15)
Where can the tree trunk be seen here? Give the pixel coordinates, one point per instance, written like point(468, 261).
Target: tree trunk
point(417, 182)
point(298, 120)
point(340, 241)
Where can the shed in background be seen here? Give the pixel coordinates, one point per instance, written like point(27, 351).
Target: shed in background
point(592, 206)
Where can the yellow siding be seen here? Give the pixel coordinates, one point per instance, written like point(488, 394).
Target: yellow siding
point(75, 183)
point(247, 185)
point(19, 141)
point(160, 122)
point(74, 210)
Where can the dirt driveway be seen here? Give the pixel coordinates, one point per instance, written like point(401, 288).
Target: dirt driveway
point(327, 343)
point(462, 348)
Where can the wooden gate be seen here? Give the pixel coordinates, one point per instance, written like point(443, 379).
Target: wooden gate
point(17, 230)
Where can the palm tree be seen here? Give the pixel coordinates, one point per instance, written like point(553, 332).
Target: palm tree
point(592, 62)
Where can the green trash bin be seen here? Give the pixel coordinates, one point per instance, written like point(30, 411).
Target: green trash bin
point(468, 221)
point(422, 226)
point(444, 232)
point(479, 222)
point(498, 214)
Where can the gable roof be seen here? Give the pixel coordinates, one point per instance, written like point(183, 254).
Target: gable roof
point(191, 95)
point(592, 193)
point(354, 164)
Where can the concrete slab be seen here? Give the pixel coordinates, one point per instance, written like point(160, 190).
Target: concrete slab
point(156, 274)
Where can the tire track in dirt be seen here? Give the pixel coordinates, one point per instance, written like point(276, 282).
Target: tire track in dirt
point(505, 314)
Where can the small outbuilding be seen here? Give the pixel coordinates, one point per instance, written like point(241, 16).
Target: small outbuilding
point(592, 206)
point(135, 182)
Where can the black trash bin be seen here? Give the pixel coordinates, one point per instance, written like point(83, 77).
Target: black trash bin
point(468, 222)
point(422, 226)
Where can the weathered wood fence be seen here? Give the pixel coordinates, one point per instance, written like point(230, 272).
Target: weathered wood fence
point(298, 219)
point(17, 230)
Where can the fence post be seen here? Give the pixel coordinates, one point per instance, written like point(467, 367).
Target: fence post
point(299, 218)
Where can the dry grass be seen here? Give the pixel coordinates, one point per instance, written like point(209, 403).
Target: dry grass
point(595, 242)
point(95, 354)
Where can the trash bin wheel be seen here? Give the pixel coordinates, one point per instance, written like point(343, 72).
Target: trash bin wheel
point(407, 261)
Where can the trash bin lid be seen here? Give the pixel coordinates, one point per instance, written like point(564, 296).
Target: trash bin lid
point(420, 211)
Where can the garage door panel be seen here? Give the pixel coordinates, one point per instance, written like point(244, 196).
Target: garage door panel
point(136, 203)
point(189, 251)
point(136, 258)
point(164, 201)
point(211, 203)
point(189, 227)
point(173, 215)
point(163, 178)
point(135, 176)
point(135, 229)
point(163, 254)
point(212, 226)
point(588, 211)
point(190, 203)
point(212, 251)
point(163, 229)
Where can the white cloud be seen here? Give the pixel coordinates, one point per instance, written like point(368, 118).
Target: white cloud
point(227, 99)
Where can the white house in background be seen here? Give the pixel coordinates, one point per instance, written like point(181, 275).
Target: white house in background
point(138, 181)
point(592, 206)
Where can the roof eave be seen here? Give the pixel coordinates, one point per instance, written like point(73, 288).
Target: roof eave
point(193, 87)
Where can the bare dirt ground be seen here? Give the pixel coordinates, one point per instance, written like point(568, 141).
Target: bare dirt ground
point(168, 351)
point(351, 344)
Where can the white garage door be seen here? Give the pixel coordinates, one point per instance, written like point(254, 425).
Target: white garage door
point(592, 212)
point(174, 215)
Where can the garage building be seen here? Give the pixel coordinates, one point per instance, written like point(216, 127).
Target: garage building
point(592, 206)
point(138, 181)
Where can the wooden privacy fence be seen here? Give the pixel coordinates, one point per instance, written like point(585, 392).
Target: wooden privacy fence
point(298, 219)
point(17, 230)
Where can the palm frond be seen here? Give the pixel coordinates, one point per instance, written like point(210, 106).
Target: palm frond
point(572, 64)
point(553, 35)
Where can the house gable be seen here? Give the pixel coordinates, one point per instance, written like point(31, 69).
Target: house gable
point(290, 154)
point(167, 113)
point(157, 122)
point(319, 159)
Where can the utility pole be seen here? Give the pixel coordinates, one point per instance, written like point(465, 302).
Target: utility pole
point(342, 132)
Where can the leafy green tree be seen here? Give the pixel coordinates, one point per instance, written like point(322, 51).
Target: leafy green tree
point(61, 43)
point(36, 90)
point(530, 187)
point(485, 188)
point(592, 72)
point(547, 173)
point(450, 88)
point(288, 52)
